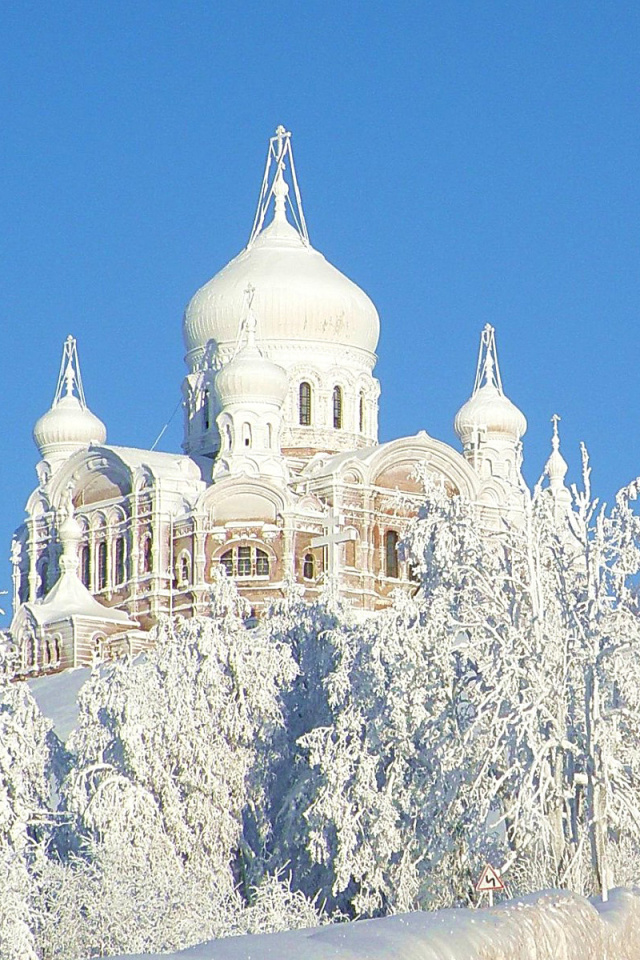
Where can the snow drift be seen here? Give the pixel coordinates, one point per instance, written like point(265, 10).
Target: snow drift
point(553, 925)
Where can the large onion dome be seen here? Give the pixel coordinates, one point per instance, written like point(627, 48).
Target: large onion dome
point(299, 295)
point(488, 410)
point(69, 424)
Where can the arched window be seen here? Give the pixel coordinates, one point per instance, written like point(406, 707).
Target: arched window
point(246, 561)
point(308, 567)
point(227, 433)
point(120, 571)
point(55, 651)
point(99, 642)
point(391, 554)
point(23, 589)
point(147, 554)
point(84, 564)
point(205, 408)
point(184, 569)
point(269, 436)
point(246, 434)
point(44, 578)
point(361, 413)
point(29, 652)
point(305, 404)
point(337, 408)
point(102, 565)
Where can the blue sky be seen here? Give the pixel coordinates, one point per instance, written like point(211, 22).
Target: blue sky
point(465, 163)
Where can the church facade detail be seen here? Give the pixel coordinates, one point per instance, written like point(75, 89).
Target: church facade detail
point(281, 477)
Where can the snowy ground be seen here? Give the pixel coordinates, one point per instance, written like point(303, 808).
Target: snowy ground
point(544, 926)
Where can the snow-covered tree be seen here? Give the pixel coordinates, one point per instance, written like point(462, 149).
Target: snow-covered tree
point(23, 813)
point(493, 716)
point(167, 767)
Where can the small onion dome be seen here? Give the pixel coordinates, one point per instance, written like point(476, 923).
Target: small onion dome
point(556, 467)
point(300, 296)
point(489, 409)
point(70, 531)
point(250, 376)
point(67, 426)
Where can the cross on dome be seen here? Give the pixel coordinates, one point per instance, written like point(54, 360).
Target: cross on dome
point(248, 323)
point(274, 185)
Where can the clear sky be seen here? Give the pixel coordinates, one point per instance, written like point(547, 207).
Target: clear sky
point(464, 163)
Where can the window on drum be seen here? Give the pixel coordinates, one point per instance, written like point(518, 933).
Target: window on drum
point(304, 408)
point(337, 408)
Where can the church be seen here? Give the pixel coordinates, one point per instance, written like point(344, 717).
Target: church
point(281, 477)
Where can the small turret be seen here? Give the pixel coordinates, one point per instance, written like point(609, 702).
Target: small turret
point(556, 470)
point(69, 424)
point(251, 391)
point(489, 425)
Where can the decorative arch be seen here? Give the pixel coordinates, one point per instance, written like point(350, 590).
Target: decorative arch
point(94, 475)
point(243, 498)
point(407, 453)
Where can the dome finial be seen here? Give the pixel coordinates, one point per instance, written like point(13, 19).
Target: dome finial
point(274, 185)
point(488, 369)
point(69, 378)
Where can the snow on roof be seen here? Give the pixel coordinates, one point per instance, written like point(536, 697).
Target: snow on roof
point(70, 598)
point(57, 697)
point(546, 924)
point(176, 465)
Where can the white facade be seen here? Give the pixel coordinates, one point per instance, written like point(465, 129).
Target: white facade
point(282, 477)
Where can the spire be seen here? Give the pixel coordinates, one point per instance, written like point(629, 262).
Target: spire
point(69, 378)
point(556, 466)
point(488, 369)
point(274, 185)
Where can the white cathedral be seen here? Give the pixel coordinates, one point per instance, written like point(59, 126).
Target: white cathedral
point(281, 477)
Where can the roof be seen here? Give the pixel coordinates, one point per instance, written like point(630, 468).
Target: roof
point(70, 598)
point(176, 466)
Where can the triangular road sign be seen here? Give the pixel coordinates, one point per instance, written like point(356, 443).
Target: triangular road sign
point(489, 882)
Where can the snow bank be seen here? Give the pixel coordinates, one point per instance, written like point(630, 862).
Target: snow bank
point(57, 697)
point(552, 925)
